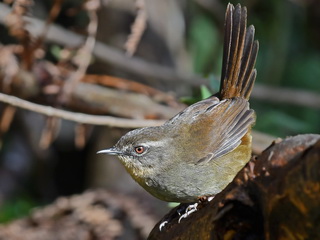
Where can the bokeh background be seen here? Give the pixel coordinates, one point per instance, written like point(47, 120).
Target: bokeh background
point(185, 36)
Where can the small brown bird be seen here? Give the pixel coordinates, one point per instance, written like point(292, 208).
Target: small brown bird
point(198, 152)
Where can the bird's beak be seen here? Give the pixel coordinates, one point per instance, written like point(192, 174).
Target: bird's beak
point(110, 151)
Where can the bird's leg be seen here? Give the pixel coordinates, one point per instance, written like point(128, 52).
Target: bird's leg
point(181, 209)
point(185, 210)
point(194, 207)
point(190, 209)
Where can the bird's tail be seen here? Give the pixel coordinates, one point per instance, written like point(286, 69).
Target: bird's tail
point(239, 55)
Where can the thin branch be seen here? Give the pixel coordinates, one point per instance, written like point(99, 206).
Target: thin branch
point(137, 29)
point(6, 118)
point(78, 117)
point(83, 56)
point(49, 132)
point(16, 21)
point(9, 67)
point(287, 96)
point(82, 134)
point(131, 86)
point(54, 12)
point(95, 99)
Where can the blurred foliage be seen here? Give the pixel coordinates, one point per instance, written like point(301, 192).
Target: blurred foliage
point(203, 42)
point(205, 92)
point(16, 208)
point(289, 56)
point(199, 95)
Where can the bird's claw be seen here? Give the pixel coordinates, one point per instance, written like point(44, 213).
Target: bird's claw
point(190, 209)
point(162, 225)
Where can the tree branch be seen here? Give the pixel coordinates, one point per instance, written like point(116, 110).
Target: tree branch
point(78, 117)
point(83, 56)
point(287, 96)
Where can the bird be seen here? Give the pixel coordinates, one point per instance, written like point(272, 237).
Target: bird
point(198, 152)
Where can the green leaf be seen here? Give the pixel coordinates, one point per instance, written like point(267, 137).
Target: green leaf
point(205, 92)
point(16, 208)
point(173, 204)
point(55, 51)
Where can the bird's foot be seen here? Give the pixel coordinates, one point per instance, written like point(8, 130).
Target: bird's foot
point(186, 210)
point(190, 209)
point(163, 224)
point(183, 211)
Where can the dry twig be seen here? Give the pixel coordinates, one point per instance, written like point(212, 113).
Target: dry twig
point(131, 86)
point(6, 118)
point(82, 133)
point(78, 117)
point(287, 96)
point(54, 11)
point(137, 28)
point(49, 132)
point(83, 57)
point(9, 67)
point(17, 23)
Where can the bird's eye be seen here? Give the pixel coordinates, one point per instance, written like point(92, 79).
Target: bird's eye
point(139, 149)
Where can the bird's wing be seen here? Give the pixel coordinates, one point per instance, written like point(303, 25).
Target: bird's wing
point(218, 129)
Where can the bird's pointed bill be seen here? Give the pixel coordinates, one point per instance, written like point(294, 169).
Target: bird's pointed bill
point(110, 151)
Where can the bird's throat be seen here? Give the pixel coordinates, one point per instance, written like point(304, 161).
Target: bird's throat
point(138, 172)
